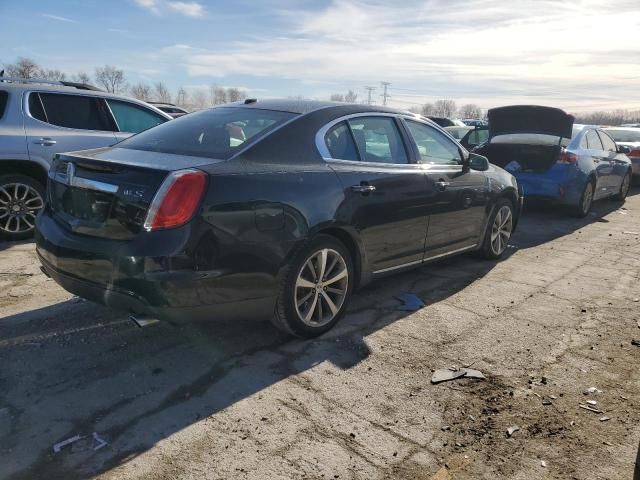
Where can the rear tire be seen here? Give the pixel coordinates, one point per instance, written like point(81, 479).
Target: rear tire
point(586, 200)
point(624, 187)
point(21, 199)
point(316, 288)
point(498, 231)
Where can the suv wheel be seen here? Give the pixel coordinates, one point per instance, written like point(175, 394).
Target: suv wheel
point(21, 199)
point(316, 289)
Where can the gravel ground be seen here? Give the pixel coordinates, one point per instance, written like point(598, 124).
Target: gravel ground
point(239, 400)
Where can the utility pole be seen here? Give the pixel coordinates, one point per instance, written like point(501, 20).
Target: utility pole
point(369, 91)
point(384, 94)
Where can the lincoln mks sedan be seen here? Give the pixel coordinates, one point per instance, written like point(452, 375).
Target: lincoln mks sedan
point(270, 208)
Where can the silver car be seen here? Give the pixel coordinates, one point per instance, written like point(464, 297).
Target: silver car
point(39, 119)
point(630, 138)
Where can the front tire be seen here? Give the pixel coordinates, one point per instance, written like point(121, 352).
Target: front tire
point(624, 187)
point(316, 288)
point(21, 199)
point(499, 230)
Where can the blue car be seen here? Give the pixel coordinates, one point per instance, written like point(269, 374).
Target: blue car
point(554, 159)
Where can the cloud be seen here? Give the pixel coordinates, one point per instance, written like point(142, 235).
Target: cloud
point(59, 18)
point(190, 9)
point(461, 49)
point(159, 7)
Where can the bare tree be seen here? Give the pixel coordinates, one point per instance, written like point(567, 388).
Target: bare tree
point(141, 91)
point(23, 68)
point(111, 78)
point(470, 110)
point(218, 95)
point(161, 92)
point(428, 110)
point(51, 74)
point(199, 99)
point(81, 78)
point(235, 94)
point(336, 97)
point(351, 97)
point(444, 108)
point(415, 109)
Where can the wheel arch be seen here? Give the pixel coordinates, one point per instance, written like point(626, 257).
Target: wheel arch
point(25, 167)
point(352, 244)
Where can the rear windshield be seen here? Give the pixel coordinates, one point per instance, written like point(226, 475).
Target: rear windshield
point(623, 135)
point(458, 132)
point(213, 133)
point(3, 102)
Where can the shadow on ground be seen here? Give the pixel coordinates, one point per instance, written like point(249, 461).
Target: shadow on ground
point(75, 367)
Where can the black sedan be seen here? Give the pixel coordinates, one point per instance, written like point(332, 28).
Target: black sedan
point(267, 208)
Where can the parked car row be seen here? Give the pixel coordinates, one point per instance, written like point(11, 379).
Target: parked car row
point(280, 207)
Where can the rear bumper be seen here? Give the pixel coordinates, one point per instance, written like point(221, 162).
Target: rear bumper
point(562, 183)
point(140, 278)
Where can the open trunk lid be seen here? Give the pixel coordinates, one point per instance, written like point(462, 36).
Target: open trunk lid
point(530, 119)
point(107, 192)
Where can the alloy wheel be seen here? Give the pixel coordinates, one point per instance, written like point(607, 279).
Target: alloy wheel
point(587, 198)
point(501, 230)
point(19, 205)
point(624, 188)
point(321, 287)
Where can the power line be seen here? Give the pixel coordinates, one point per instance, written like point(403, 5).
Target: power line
point(369, 92)
point(384, 94)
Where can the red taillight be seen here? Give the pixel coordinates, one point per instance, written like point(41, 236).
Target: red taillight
point(176, 201)
point(567, 158)
point(634, 153)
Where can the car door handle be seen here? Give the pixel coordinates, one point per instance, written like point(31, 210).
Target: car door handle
point(363, 188)
point(442, 184)
point(45, 141)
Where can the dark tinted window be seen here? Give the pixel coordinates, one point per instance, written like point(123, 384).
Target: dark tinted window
point(76, 111)
point(340, 143)
point(133, 118)
point(378, 140)
point(35, 107)
point(3, 102)
point(433, 146)
point(216, 133)
point(593, 142)
point(608, 144)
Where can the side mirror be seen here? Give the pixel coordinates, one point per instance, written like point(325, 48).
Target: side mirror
point(623, 149)
point(478, 162)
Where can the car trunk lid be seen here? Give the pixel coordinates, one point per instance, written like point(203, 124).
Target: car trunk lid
point(533, 119)
point(108, 192)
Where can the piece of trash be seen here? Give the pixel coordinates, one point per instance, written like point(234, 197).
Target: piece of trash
point(58, 446)
point(98, 442)
point(410, 302)
point(621, 212)
point(591, 390)
point(636, 299)
point(631, 233)
point(512, 430)
point(553, 397)
point(591, 409)
point(592, 402)
point(543, 463)
point(608, 443)
point(604, 419)
point(635, 342)
point(445, 428)
point(546, 401)
point(446, 374)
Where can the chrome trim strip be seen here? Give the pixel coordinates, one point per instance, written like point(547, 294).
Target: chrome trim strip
point(85, 183)
point(458, 250)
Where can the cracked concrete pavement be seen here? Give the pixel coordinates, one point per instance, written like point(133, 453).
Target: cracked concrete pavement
point(239, 400)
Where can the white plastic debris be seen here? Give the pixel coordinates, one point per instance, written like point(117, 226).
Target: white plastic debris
point(604, 419)
point(58, 446)
point(446, 374)
point(543, 463)
point(592, 402)
point(512, 430)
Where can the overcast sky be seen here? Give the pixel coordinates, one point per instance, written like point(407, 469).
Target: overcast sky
point(577, 55)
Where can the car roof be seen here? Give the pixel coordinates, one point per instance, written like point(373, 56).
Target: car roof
point(307, 106)
point(628, 129)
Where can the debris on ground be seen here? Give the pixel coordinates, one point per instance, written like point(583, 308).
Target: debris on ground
point(631, 233)
point(58, 446)
point(546, 401)
point(98, 442)
point(604, 419)
point(592, 390)
point(512, 430)
point(446, 374)
point(592, 402)
point(591, 409)
point(410, 302)
point(543, 463)
point(635, 342)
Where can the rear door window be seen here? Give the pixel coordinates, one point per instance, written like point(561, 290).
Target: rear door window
point(72, 111)
point(607, 142)
point(593, 141)
point(378, 140)
point(3, 101)
point(340, 143)
point(133, 118)
point(213, 133)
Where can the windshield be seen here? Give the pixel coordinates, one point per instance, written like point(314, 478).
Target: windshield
point(213, 133)
point(629, 136)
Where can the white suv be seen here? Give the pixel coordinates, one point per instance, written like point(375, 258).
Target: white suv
point(39, 119)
